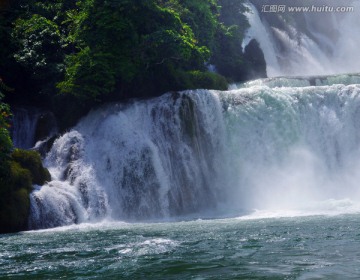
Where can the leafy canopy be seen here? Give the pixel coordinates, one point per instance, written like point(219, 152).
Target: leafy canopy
point(118, 43)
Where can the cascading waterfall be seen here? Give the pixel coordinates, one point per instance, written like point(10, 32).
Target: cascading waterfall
point(306, 43)
point(276, 144)
point(259, 31)
point(294, 148)
point(145, 160)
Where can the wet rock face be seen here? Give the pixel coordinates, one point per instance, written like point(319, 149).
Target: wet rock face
point(46, 124)
point(255, 61)
point(46, 132)
point(44, 146)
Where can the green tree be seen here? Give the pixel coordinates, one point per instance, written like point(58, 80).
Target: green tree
point(95, 51)
point(6, 145)
point(39, 50)
point(202, 16)
point(228, 56)
point(129, 46)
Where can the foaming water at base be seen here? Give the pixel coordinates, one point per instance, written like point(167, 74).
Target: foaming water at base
point(101, 225)
point(329, 207)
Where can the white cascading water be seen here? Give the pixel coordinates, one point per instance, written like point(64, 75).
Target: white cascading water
point(259, 31)
point(295, 149)
point(206, 153)
point(318, 51)
point(145, 160)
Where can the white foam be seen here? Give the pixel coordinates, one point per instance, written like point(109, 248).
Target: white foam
point(329, 207)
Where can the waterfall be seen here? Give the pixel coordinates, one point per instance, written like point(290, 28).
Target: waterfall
point(293, 148)
point(145, 160)
point(32, 128)
point(275, 144)
point(24, 126)
point(259, 31)
point(306, 43)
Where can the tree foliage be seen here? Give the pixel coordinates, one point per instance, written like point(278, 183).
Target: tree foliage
point(227, 57)
point(106, 50)
point(121, 43)
point(109, 49)
point(39, 44)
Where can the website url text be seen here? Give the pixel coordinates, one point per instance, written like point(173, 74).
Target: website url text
point(305, 9)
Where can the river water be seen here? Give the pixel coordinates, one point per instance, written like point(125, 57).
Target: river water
point(310, 247)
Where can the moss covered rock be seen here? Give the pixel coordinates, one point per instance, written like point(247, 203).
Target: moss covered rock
point(16, 182)
point(255, 61)
point(206, 80)
point(31, 161)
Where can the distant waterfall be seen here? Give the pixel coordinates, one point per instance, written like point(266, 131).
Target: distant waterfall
point(32, 127)
point(24, 127)
point(272, 144)
point(259, 31)
point(306, 43)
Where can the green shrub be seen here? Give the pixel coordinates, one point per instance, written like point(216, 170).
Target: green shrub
point(14, 211)
point(206, 80)
point(14, 198)
point(22, 171)
point(19, 178)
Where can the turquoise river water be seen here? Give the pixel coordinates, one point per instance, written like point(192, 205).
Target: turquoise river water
point(313, 247)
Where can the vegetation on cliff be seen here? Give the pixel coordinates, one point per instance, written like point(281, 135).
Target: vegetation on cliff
point(19, 170)
point(84, 52)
